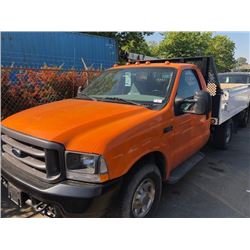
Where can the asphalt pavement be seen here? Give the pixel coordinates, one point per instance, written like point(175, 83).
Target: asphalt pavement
point(217, 187)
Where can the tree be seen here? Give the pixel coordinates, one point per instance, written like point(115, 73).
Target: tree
point(133, 42)
point(153, 49)
point(241, 61)
point(185, 44)
point(222, 48)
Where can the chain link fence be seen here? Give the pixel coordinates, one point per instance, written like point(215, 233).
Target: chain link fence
point(23, 88)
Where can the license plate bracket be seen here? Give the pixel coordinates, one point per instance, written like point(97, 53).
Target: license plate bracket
point(15, 194)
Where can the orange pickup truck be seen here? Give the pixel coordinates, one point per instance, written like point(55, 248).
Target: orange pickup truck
point(131, 129)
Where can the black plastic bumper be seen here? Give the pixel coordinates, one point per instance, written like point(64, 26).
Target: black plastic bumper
point(72, 198)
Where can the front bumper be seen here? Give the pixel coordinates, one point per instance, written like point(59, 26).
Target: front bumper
point(72, 198)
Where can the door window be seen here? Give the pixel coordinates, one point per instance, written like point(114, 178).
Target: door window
point(189, 84)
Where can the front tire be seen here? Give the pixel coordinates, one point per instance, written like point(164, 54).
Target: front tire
point(142, 192)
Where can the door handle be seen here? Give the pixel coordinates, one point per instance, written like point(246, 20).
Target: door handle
point(168, 129)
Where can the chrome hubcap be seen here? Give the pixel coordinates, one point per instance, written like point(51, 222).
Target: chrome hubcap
point(143, 198)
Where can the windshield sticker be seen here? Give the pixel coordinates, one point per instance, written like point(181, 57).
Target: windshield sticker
point(128, 79)
point(157, 100)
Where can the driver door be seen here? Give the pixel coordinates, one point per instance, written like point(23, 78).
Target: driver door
point(189, 128)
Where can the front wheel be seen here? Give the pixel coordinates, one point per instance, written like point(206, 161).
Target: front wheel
point(142, 192)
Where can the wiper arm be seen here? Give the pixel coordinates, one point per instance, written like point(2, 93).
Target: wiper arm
point(151, 105)
point(85, 95)
point(123, 100)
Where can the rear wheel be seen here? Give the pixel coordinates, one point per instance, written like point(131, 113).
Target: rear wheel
point(245, 118)
point(223, 134)
point(142, 192)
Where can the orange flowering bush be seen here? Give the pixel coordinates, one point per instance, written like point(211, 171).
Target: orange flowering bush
point(25, 88)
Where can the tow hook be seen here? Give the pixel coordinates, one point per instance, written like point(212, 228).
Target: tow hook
point(44, 209)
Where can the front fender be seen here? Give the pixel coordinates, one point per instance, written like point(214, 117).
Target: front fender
point(124, 151)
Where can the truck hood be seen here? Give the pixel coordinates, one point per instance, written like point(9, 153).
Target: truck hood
point(62, 120)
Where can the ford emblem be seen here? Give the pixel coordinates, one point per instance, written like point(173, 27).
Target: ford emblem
point(17, 152)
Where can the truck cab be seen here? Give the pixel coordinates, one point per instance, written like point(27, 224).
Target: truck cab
point(117, 141)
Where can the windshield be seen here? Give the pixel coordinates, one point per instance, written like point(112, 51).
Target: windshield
point(234, 78)
point(140, 85)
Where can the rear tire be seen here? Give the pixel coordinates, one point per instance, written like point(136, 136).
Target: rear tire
point(223, 135)
point(245, 118)
point(142, 192)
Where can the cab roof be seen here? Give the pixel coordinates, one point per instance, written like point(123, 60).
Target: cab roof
point(151, 65)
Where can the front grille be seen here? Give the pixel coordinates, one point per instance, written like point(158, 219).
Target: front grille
point(27, 154)
point(41, 158)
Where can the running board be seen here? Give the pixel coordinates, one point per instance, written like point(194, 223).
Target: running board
point(182, 169)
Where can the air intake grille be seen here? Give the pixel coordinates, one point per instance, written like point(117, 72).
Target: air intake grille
point(25, 153)
point(41, 158)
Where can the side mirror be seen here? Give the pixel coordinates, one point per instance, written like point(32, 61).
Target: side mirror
point(203, 103)
point(200, 104)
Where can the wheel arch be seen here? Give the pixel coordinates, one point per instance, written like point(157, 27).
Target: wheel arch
point(155, 157)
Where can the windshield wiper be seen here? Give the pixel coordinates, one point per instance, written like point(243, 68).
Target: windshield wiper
point(85, 95)
point(122, 100)
point(151, 105)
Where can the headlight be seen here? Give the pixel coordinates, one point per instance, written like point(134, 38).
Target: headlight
point(86, 167)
